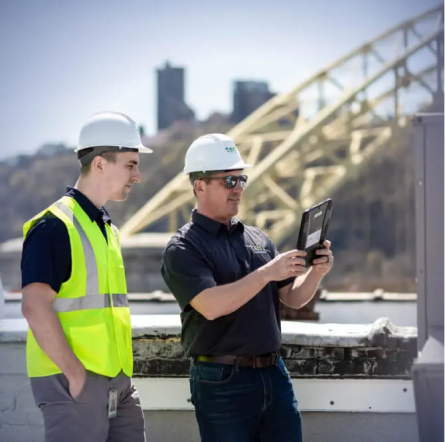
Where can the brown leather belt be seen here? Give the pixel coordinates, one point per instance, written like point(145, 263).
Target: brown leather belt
point(262, 361)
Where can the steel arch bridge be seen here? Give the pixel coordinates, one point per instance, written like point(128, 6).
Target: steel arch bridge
point(308, 142)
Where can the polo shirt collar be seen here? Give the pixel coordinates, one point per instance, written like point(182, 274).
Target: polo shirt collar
point(88, 207)
point(214, 227)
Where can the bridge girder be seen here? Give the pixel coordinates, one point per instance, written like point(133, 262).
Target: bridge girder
point(306, 143)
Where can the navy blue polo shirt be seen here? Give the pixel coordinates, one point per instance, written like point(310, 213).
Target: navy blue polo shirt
point(205, 253)
point(46, 256)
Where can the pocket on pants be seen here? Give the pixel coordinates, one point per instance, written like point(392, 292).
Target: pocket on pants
point(282, 368)
point(83, 390)
point(51, 389)
point(207, 373)
point(64, 383)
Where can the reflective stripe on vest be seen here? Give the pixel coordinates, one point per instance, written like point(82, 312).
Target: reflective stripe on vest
point(92, 304)
point(92, 298)
point(89, 302)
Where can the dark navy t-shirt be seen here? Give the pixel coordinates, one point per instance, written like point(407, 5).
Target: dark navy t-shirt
point(205, 253)
point(46, 256)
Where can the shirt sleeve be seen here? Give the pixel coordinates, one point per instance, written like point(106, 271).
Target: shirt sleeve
point(185, 272)
point(46, 256)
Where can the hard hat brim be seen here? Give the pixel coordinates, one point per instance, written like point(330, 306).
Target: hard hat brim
point(237, 166)
point(144, 149)
point(140, 147)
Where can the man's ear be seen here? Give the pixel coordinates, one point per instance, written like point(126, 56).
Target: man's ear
point(198, 185)
point(98, 164)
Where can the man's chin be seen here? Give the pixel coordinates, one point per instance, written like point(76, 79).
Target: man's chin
point(233, 209)
point(119, 198)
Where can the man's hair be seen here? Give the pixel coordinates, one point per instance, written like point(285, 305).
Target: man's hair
point(86, 168)
point(192, 181)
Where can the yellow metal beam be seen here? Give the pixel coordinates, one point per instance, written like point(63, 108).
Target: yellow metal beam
point(297, 165)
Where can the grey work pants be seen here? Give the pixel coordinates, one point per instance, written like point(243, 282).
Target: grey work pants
point(85, 419)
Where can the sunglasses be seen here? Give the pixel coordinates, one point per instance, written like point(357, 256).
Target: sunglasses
point(230, 181)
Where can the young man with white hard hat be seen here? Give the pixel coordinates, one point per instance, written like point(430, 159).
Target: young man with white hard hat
point(79, 346)
point(229, 279)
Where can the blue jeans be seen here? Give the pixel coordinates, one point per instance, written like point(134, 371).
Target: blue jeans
point(244, 404)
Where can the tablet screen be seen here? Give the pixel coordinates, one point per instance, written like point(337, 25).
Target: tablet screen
point(315, 227)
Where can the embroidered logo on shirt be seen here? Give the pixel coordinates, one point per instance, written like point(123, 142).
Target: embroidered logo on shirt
point(257, 249)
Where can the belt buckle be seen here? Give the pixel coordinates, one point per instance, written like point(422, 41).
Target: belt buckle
point(273, 359)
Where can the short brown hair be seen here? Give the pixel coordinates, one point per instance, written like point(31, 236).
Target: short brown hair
point(206, 180)
point(86, 168)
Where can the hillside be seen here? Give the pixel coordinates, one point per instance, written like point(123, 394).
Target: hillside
point(373, 220)
point(373, 224)
point(35, 181)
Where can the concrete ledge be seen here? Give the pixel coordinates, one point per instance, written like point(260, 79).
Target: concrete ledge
point(382, 332)
point(161, 296)
point(310, 350)
point(379, 350)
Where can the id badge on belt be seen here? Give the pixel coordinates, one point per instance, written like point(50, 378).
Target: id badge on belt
point(112, 403)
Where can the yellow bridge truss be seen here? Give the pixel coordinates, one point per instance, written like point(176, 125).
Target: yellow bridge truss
point(308, 142)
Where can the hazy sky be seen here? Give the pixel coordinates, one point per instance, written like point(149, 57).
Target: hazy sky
point(62, 60)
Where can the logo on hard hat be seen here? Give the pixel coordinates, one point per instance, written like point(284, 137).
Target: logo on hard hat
point(231, 149)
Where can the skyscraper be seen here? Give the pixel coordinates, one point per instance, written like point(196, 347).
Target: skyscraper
point(171, 106)
point(247, 97)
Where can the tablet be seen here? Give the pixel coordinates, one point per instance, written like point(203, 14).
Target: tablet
point(313, 229)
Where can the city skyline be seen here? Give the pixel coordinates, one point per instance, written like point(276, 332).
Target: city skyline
point(67, 62)
point(247, 96)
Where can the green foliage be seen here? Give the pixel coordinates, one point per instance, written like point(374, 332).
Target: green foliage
point(32, 183)
point(372, 230)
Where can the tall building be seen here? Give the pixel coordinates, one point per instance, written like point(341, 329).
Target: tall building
point(247, 97)
point(171, 106)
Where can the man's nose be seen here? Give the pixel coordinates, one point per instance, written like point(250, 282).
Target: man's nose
point(137, 176)
point(238, 188)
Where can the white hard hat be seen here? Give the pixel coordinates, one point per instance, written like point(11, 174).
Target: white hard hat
point(111, 129)
point(213, 152)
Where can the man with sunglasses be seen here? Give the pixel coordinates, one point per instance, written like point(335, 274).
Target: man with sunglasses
point(229, 279)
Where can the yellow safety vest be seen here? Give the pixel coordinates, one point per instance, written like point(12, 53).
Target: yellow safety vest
point(92, 305)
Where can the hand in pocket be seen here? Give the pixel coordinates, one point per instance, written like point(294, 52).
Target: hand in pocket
point(77, 384)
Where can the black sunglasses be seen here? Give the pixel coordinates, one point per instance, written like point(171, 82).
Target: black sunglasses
point(230, 181)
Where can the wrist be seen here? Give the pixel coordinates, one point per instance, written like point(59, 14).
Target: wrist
point(264, 274)
point(75, 372)
point(315, 275)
